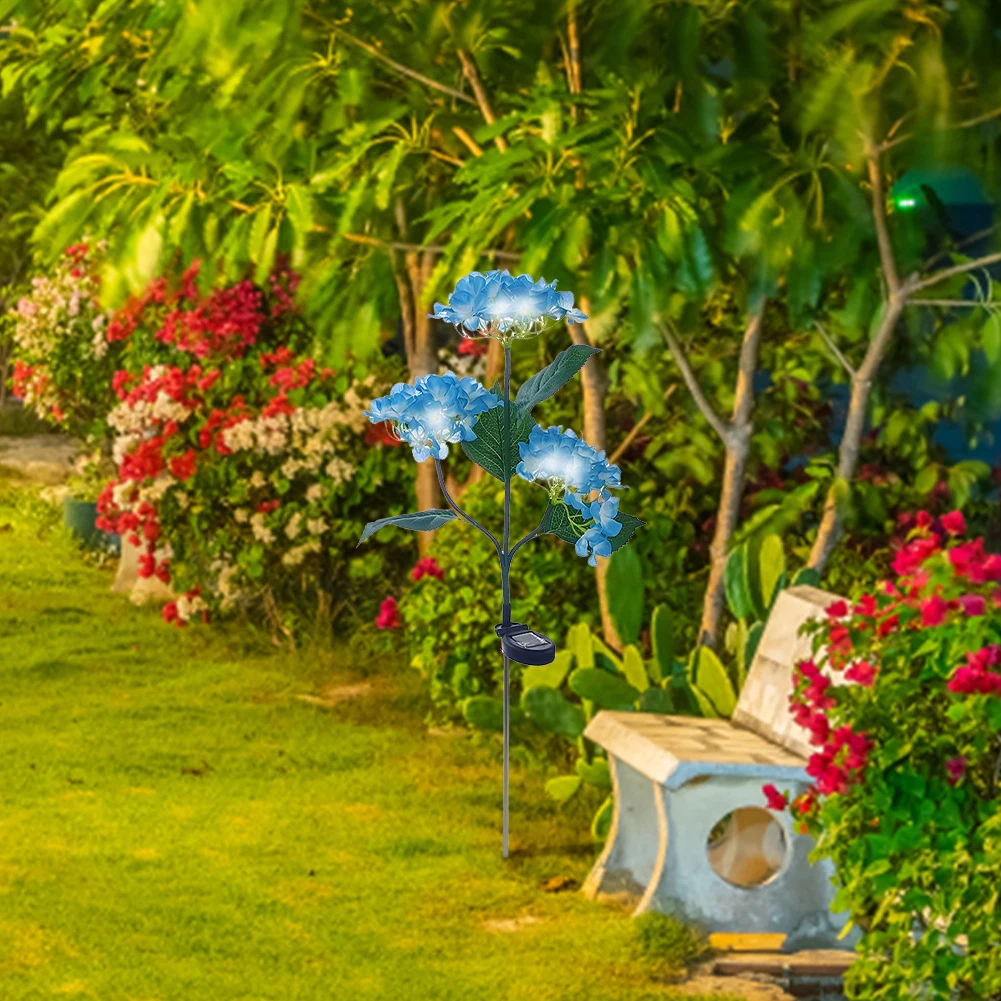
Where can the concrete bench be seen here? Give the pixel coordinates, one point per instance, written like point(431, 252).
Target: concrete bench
point(691, 834)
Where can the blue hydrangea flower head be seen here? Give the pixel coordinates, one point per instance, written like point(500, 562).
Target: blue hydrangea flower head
point(496, 304)
point(436, 411)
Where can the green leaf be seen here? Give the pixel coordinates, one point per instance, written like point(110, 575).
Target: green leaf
point(548, 709)
point(487, 449)
point(771, 569)
point(484, 712)
point(602, 822)
point(259, 232)
point(657, 700)
point(683, 698)
point(580, 642)
point(563, 788)
point(629, 526)
point(596, 773)
point(299, 206)
point(419, 521)
point(266, 258)
point(709, 678)
point(735, 583)
point(557, 522)
point(554, 376)
point(624, 589)
point(927, 479)
point(552, 674)
point(609, 691)
point(751, 648)
point(806, 575)
point(662, 640)
point(148, 252)
point(634, 669)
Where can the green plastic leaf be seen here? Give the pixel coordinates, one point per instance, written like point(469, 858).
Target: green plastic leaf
point(634, 669)
point(552, 675)
point(624, 590)
point(602, 822)
point(709, 678)
point(662, 640)
point(629, 526)
point(419, 521)
point(735, 583)
point(564, 787)
point(557, 522)
point(595, 773)
point(484, 712)
point(548, 709)
point(609, 691)
point(487, 449)
point(657, 700)
point(554, 376)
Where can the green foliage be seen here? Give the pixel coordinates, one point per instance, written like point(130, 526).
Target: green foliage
point(906, 776)
point(420, 521)
point(668, 943)
point(447, 622)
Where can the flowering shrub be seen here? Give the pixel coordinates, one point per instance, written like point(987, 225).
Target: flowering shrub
point(903, 703)
point(236, 455)
point(63, 356)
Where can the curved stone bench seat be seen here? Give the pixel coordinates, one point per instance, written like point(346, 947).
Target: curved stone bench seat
point(691, 834)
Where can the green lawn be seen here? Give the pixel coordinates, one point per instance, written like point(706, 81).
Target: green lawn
point(176, 824)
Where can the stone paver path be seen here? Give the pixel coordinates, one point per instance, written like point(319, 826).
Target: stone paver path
point(44, 458)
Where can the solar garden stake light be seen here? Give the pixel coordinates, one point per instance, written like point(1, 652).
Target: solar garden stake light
point(440, 410)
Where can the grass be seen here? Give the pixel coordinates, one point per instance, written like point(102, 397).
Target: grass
point(177, 824)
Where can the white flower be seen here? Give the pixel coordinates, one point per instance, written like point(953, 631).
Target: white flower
point(316, 526)
point(261, 532)
point(294, 525)
point(241, 515)
point(314, 493)
point(258, 479)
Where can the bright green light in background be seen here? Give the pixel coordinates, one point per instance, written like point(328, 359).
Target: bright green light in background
point(906, 203)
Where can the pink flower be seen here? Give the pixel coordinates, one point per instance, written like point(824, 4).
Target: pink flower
point(862, 673)
point(955, 767)
point(973, 604)
point(866, 606)
point(776, 800)
point(427, 567)
point(923, 519)
point(388, 617)
point(933, 610)
point(954, 522)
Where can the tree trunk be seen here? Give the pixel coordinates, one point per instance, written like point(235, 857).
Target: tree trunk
point(738, 446)
point(594, 385)
point(418, 342)
point(727, 516)
point(831, 523)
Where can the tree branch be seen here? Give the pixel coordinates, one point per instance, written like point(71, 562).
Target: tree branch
point(471, 73)
point(947, 303)
point(941, 276)
point(431, 248)
point(835, 350)
point(467, 140)
point(701, 400)
point(743, 403)
point(636, 428)
point(401, 69)
point(968, 123)
point(879, 217)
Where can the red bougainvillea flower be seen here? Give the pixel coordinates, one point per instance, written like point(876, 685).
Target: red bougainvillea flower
point(934, 610)
point(954, 522)
point(837, 609)
point(183, 466)
point(471, 347)
point(861, 673)
point(866, 606)
point(956, 768)
point(973, 604)
point(388, 617)
point(776, 800)
point(427, 567)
